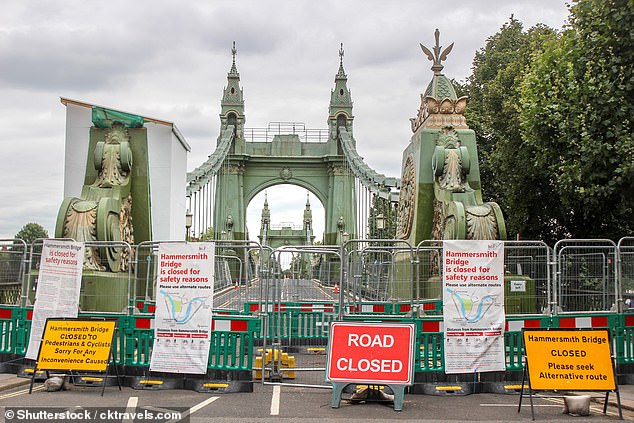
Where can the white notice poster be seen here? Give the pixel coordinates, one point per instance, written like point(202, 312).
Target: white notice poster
point(58, 285)
point(473, 306)
point(184, 302)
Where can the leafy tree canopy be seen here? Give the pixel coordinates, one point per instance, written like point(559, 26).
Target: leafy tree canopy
point(553, 115)
point(30, 232)
point(507, 171)
point(576, 115)
point(208, 235)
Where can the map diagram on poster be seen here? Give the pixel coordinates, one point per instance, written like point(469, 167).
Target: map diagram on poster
point(182, 309)
point(471, 308)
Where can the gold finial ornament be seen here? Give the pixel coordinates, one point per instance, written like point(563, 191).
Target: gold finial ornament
point(437, 57)
point(341, 55)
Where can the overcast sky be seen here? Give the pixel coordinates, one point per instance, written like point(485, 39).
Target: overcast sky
point(169, 60)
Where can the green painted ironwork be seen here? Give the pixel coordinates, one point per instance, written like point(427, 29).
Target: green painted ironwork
point(441, 196)
point(243, 164)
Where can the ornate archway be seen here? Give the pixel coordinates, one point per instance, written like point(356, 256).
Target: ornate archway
point(247, 161)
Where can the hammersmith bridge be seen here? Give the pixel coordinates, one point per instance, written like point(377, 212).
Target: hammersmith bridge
point(325, 162)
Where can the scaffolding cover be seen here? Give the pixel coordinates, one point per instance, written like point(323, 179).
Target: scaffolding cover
point(104, 118)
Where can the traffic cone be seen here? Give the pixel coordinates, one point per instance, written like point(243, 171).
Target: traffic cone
point(237, 284)
point(336, 290)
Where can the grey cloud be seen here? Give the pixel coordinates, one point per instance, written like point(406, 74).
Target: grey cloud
point(169, 60)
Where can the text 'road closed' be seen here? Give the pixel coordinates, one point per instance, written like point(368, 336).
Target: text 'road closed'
point(371, 352)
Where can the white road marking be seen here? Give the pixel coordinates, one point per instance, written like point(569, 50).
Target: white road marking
point(130, 408)
point(275, 401)
point(515, 405)
point(193, 409)
point(201, 405)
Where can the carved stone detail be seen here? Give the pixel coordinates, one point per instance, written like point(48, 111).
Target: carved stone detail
point(481, 222)
point(80, 225)
point(126, 231)
point(233, 169)
point(438, 226)
point(407, 197)
point(437, 113)
point(453, 176)
point(286, 174)
point(441, 108)
point(336, 170)
point(113, 168)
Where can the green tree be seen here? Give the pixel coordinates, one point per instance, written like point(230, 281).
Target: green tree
point(508, 174)
point(208, 235)
point(576, 115)
point(30, 232)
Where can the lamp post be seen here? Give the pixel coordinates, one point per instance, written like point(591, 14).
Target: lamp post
point(380, 224)
point(189, 217)
point(229, 224)
point(342, 271)
point(341, 225)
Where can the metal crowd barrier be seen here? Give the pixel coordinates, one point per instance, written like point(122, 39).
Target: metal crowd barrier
point(578, 284)
point(232, 337)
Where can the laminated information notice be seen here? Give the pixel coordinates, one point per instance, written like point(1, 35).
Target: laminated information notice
point(184, 302)
point(473, 306)
point(58, 284)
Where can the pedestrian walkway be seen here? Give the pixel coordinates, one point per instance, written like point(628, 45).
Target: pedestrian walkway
point(10, 381)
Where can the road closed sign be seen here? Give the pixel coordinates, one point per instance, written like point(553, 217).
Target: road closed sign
point(371, 352)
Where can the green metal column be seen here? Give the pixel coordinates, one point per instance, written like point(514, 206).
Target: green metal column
point(229, 208)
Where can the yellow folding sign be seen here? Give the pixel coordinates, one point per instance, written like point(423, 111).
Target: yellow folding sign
point(576, 360)
point(73, 344)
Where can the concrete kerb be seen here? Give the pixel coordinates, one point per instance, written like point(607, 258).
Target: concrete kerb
point(11, 380)
point(626, 393)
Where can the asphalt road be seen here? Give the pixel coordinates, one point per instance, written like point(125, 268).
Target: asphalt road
point(274, 403)
point(287, 290)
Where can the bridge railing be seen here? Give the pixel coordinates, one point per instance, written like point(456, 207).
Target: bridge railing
point(284, 128)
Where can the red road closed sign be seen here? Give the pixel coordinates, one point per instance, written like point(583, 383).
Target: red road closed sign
point(371, 352)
